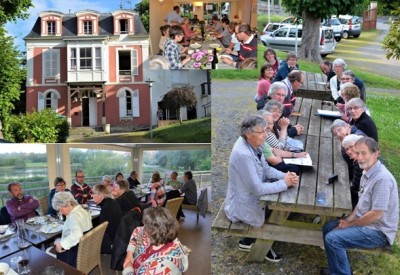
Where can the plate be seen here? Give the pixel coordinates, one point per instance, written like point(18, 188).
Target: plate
point(6, 236)
point(37, 220)
point(94, 212)
point(214, 46)
point(4, 268)
point(51, 228)
point(195, 46)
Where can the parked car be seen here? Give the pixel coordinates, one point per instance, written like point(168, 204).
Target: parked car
point(271, 27)
point(337, 27)
point(351, 26)
point(284, 39)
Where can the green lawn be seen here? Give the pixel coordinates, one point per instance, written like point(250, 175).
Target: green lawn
point(192, 131)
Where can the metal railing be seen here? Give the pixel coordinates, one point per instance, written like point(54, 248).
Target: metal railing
point(40, 189)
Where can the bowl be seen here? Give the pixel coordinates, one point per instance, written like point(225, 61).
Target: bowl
point(3, 228)
point(190, 51)
point(4, 268)
point(195, 46)
point(213, 46)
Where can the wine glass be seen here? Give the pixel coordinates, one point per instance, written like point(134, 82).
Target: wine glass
point(14, 263)
point(23, 263)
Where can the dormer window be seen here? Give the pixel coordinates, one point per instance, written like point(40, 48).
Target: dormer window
point(123, 26)
point(124, 22)
point(51, 23)
point(51, 27)
point(87, 27)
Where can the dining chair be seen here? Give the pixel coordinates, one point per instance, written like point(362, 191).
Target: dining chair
point(89, 249)
point(44, 205)
point(202, 205)
point(173, 205)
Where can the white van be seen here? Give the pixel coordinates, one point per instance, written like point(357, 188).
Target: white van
point(284, 39)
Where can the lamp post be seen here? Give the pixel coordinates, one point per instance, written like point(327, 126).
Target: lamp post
point(150, 83)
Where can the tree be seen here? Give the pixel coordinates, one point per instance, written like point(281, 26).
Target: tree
point(312, 11)
point(179, 97)
point(389, 5)
point(10, 10)
point(143, 9)
point(391, 42)
point(11, 76)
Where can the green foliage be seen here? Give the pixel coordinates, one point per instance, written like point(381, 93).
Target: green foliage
point(388, 5)
point(10, 10)
point(42, 127)
point(100, 162)
point(199, 160)
point(321, 9)
point(11, 76)
point(143, 9)
point(391, 42)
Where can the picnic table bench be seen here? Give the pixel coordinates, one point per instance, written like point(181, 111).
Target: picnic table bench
point(325, 153)
point(314, 87)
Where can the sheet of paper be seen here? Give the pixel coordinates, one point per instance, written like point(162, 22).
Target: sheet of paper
point(307, 161)
point(329, 113)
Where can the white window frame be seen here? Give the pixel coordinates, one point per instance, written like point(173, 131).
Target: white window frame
point(51, 27)
point(86, 58)
point(134, 61)
point(135, 103)
point(87, 26)
point(75, 58)
point(42, 97)
point(97, 58)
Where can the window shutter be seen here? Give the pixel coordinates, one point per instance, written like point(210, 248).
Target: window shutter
point(54, 102)
point(135, 69)
point(40, 101)
point(122, 104)
point(135, 104)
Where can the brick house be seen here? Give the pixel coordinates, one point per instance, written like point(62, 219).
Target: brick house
point(88, 66)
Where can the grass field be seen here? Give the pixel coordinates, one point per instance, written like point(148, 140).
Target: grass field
point(192, 131)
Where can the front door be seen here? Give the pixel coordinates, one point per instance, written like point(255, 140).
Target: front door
point(92, 111)
point(85, 111)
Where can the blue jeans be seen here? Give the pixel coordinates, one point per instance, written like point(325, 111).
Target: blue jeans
point(336, 242)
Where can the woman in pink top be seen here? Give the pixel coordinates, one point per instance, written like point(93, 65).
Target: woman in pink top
point(187, 29)
point(271, 58)
point(265, 81)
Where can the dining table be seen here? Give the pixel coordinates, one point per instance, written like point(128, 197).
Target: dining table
point(39, 260)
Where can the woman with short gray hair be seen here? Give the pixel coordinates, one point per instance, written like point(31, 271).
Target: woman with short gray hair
point(78, 221)
point(339, 66)
point(356, 109)
point(348, 146)
point(249, 176)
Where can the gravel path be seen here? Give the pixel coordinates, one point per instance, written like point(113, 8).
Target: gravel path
point(231, 101)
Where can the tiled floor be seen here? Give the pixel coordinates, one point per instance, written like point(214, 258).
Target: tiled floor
point(196, 237)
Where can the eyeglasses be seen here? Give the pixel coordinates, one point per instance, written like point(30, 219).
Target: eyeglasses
point(355, 108)
point(261, 132)
point(346, 78)
point(60, 184)
point(275, 110)
point(300, 82)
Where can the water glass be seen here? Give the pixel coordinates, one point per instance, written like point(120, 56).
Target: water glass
point(23, 263)
point(14, 263)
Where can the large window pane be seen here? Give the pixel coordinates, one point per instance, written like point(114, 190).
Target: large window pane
point(167, 161)
point(95, 163)
point(24, 163)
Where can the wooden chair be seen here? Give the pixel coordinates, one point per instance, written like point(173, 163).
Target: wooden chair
point(89, 249)
point(44, 205)
point(173, 205)
point(201, 206)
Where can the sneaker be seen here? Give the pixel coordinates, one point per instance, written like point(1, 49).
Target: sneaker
point(273, 257)
point(245, 247)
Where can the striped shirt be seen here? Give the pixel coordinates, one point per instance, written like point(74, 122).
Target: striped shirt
point(274, 142)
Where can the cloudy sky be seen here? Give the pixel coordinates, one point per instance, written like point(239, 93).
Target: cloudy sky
point(20, 29)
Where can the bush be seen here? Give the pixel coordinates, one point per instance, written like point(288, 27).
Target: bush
point(42, 127)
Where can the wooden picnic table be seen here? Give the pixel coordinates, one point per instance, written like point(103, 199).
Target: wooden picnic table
point(324, 150)
point(315, 87)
